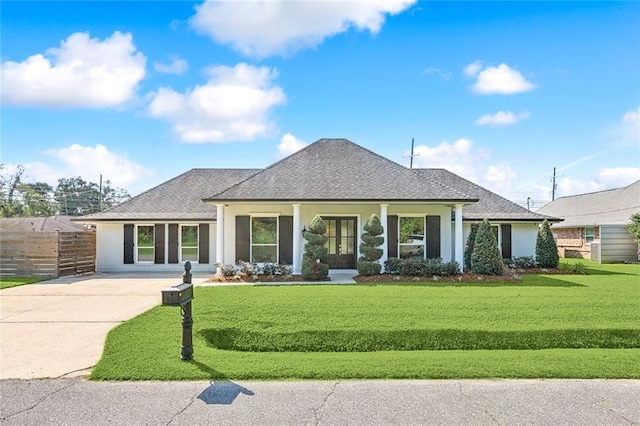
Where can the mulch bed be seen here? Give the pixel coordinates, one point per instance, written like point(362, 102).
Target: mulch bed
point(513, 275)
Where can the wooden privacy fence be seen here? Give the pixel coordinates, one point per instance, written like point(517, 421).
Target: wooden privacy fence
point(51, 254)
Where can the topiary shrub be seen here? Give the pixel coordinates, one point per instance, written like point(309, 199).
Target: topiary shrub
point(315, 253)
point(523, 262)
point(546, 249)
point(370, 249)
point(486, 258)
point(468, 250)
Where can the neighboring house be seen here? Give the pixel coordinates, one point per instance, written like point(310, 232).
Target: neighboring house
point(41, 224)
point(221, 216)
point(595, 224)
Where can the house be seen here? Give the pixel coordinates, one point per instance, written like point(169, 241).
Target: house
point(221, 216)
point(41, 224)
point(594, 225)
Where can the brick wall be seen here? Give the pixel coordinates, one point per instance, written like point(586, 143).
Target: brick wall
point(571, 243)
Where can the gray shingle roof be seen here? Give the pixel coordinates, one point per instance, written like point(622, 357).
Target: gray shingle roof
point(490, 204)
point(40, 224)
point(336, 170)
point(178, 198)
point(611, 207)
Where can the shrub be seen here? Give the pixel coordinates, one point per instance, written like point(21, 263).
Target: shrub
point(576, 268)
point(413, 266)
point(546, 248)
point(273, 269)
point(523, 262)
point(470, 244)
point(450, 268)
point(315, 253)
point(393, 265)
point(486, 258)
point(370, 247)
point(634, 227)
point(228, 270)
point(248, 268)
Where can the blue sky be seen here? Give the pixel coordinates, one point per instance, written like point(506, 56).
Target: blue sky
point(498, 92)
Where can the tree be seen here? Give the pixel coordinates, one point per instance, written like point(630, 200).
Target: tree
point(471, 241)
point(371, 241)
point(486, 258)
point(78, 197)
point(634, 227)
point(9, 183)
point(546, 248)
point(315, 252)
point(37, 199)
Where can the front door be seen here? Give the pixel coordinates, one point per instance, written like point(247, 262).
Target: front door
point(342, 237)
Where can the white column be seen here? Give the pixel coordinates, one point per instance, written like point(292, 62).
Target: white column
point(219, 236)
point(459, 244)
point(297, 240)
point(385, 246)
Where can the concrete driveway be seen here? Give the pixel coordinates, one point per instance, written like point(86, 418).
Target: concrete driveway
point(57, 328)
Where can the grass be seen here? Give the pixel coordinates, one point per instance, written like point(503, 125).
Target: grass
point(547, 326)
point(8, 282)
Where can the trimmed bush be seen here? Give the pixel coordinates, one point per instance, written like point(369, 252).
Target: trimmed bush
point(486, 258)
point(228, 270)
point(523, 262)
point(393, 265)
point(546, 249)
point(471, 241)
point(315, 253)
point(370, 247)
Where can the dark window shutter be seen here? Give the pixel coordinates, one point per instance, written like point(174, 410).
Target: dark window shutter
point(506, 241)
point(159, 242)
point(392, 236)
point(174, 242)
point(128, 244)
point(243, 233)
point(285, 240)
point(433, 237)
point(203, 243)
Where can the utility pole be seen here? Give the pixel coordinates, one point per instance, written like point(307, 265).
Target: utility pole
point(411, 161)
point(528, 201)
point(100, 196)
point(553, 186)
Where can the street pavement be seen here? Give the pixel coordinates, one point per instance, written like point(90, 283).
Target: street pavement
point(479, 402)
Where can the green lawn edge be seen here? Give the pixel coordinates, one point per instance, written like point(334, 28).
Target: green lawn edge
point(9, 282)
point(148, 346)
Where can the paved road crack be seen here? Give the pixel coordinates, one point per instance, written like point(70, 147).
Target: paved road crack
point(316, 411)
point(193, 399)
point(39, 401)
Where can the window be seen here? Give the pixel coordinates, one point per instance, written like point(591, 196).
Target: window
point(411, 239)
point(145, 246)
point(264, 239)
point(588, 235)
point(189, 243)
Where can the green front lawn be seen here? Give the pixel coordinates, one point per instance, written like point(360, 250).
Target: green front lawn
point(8, 282)
point(572, 326)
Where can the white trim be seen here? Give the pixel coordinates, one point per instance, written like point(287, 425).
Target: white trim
point(136, 245)
point(219, 236)
point(459, 237)
point(263, 214)
point(297, 240)
point(424, 233)
point(385, 234)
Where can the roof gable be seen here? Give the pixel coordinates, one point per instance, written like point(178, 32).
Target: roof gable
point(337, 170)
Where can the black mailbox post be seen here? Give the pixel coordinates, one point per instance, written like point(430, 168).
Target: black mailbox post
point(182, 295)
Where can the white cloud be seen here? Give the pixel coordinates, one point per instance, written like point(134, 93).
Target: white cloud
point(501, 118)
point(501, 80)
point(445, 75)
point(606, 178)
point(472, 69)
point(234, 105)
point(88, 163)
point(279, 27)
point(462, 158)
point(289, 144)
point(176, 66)
point(82, 72)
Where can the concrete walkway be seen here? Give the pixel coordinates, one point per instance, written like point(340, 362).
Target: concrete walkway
point(410, 402)
point(57, 328)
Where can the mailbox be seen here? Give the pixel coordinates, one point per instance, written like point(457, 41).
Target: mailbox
point(178, 295)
